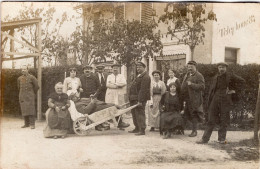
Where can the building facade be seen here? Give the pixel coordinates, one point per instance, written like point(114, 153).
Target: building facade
point(233, 38)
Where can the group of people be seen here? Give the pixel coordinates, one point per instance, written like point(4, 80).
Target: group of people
point(170, 105)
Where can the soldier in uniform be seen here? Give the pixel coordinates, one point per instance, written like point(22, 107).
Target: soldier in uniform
point(219, 102)
point(139, 93)
point(192, 89)
point(28, 87)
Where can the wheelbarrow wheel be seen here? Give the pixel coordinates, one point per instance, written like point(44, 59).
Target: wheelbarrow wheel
point(82, 121)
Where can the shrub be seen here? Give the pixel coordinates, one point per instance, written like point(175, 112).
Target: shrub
point(52, 75)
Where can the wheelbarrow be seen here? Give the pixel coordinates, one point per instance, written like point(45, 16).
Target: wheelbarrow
point(83, 125)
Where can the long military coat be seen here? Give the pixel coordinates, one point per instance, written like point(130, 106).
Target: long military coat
point(28, 87)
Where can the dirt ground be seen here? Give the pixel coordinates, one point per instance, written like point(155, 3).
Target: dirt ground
point(28, 149)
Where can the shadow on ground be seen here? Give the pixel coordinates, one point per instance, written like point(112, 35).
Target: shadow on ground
point(244, 150)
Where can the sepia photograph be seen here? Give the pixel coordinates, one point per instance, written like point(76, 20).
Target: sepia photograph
point(130, 85)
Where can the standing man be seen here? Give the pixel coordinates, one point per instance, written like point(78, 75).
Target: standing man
point(116, 86)
point(192, 89)
point(220, 103)
point(139, 93)
point(28, 87)
point(90, 83)
point(102, 77)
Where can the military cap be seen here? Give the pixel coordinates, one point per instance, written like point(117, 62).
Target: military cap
point(222, 64)
point(140, 63)
point(192, 63)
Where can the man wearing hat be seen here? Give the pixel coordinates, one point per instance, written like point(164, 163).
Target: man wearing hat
point(139, 93)
point(102, 77)
point(28, 87)
point(90, 83)
point(192, 89)
point(220, 103)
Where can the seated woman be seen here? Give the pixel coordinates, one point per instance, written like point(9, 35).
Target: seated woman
point(57, 116)
point(170, 119)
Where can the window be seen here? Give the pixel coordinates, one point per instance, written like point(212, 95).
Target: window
point(230, 55)
point(146, 12)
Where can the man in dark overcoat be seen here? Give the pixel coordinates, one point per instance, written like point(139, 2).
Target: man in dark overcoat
point(28, 87)
point(90, 83)
point(139, 93)
point(102, 77)
point(219, 102)
point(192, 89)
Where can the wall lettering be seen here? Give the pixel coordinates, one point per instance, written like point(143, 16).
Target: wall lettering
point(230, 30)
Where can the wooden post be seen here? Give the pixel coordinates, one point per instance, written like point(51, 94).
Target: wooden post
point(257, 112)
point(39, 95)
point(12, 47)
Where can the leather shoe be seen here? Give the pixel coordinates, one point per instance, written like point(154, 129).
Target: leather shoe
point(202, 142)
point(193, 134)
point(98, 128)
point(32, 127)
point(140, 133)
point(134, 131)
point(123, 125)
point(24, 126)
point(223, 142)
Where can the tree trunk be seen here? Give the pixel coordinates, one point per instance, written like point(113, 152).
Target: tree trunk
point(192, 53)
point(257, 112)
point(131, 74)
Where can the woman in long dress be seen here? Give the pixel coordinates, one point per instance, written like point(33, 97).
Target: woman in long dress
point(72, 84)
point(158, 88)
point(58, 121)
point(171, 118)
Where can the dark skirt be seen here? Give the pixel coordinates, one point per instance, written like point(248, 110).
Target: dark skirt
point(170, 120)
point(55, 126)
point(59, 120)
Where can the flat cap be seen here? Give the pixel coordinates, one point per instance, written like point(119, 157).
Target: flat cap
point(222, 64)
point(192, 63)
point(101, 66)
point(139, 63)
point(87, 67)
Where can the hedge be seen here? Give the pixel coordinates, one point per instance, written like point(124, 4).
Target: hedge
point(52, 75)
